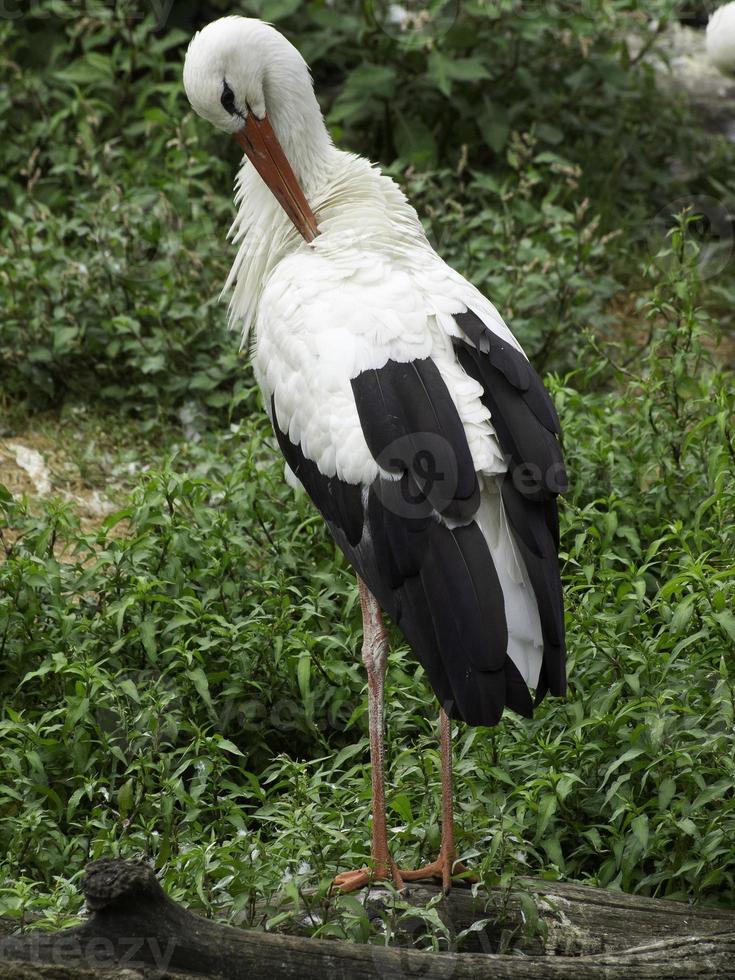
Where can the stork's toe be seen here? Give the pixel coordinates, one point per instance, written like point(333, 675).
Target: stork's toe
point(352, 881)
point(445, 869)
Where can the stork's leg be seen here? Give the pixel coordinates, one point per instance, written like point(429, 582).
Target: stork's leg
point(446, 865)
point(374, 656)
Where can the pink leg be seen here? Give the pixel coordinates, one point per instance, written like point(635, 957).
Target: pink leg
point(374, 655)
point(446, 865)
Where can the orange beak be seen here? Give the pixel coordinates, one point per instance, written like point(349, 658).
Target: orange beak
point(264, 151)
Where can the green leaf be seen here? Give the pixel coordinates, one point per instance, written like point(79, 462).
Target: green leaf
point(688, 826)
point(365, 84)
point(415, 142)
point(148, 637)
point(529, 911)
point(549, 134)
point(92, 69)
point(727, 621)
point(228, 746)
point(639, 826)
point(63, 338)
point(467, 69)
point(620, 761)
point(493, 123)
point(442, 70)
point(439, 72)
point(666, 790)
point(546, 810)
point(275, 10)
point(201, 684)
point(125, 798)
point(303, 673)
point(129, 688)
point(346, 753)
point(402, 805)
point(112, 520)
point(682, 614)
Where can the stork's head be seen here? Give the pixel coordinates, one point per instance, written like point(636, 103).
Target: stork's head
point(249, 81)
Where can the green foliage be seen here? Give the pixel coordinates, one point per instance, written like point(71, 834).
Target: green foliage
point(183, 683)
point(108, 255)
point(532, 243)
point(191, 691)
point(111, 259)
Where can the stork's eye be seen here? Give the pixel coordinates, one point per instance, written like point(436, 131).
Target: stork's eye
point(228, 99)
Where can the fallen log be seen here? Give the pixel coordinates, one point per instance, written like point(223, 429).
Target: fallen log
point(135, 929)
point(574, 920)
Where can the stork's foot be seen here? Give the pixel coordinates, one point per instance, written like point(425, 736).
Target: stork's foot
point(444, 869)
point(352, 881)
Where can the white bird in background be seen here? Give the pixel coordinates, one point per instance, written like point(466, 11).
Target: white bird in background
point(721, 38)
point(400, 400)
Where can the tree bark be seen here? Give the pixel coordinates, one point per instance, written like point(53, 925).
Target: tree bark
point(135, 926)
point(575, 920)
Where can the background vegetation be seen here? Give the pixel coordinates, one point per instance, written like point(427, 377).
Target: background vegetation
point(181, 680)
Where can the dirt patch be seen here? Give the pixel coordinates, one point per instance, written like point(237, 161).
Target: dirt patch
point(35, 468)
point(32, 466)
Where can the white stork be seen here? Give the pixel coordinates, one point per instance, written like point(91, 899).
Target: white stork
point(400, 400)
point(721, 38)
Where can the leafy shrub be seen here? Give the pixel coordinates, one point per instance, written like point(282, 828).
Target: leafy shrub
point(184, 683)
point(111, 258)
point(192, 692)
point(108, 255)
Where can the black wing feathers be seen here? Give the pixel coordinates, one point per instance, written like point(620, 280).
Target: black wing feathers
point(513, 366)
point(414, 539)
point(532, 447)
point(528, 522)
point(439, 585)
point(527, 425)
point(338, 502)
point(411, 424)
point(471, 615)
